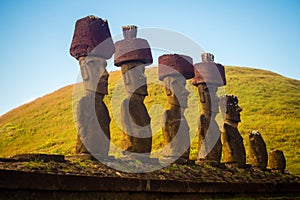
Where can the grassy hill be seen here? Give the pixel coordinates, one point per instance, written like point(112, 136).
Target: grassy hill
point(270, 102)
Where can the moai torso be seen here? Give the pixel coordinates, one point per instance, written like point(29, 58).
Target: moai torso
point(208, 77)
point(277, 161)
point(91, 46)
point(233, 146)
point(132, 55)
point(174, 69)
point(258, 156)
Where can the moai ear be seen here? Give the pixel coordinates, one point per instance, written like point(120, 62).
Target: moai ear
point(84, 72)
point(202, 97)
point(168, 86)
point(126, 78)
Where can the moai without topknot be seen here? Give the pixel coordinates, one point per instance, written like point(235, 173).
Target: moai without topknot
point(258, 156)
point(132, 55)
point(208, 77)
point(277, 162)
point(174, 69)
point(92, 46)
point(234, 153)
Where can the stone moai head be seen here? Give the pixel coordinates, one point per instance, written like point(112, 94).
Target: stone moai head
point(133, 55)
point(94, 74)
point(208, 77)
point(229, 106)
point(208, 72)
point(207, 57)
point(92, 37)
point(174, 69)
point(129, 31)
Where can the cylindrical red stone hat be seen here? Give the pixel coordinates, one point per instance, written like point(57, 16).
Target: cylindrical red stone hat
point(175, 64)
point(209, 72)
point(131, 48)
point(92, 37)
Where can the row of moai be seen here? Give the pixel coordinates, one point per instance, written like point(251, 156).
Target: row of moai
point(92, 46)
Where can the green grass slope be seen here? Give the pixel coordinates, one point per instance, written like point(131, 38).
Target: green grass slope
point(270, 103)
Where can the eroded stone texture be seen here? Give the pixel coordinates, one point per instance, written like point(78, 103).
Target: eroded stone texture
point(93, 118)
point(92, 37)
point(91, 46)
point(208, 77)
point(133, 54)
point(258, 156)
point(174, 69)
point(233, 146)
point(277, 160)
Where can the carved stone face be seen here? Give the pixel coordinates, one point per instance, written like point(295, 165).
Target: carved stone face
point(207, 57)
point(134, 78)
point(232, 108)
point(94, 74)
point(208, 98)
point(176, 91)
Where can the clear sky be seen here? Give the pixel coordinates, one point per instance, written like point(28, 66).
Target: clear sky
point(35, 36)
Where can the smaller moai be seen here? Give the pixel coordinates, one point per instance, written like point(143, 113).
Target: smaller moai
point(174, 70)
point(92, 46)
point(133, 55)
point(208, 77)
point(277, 162)
point(258, 156)
point(234, 154)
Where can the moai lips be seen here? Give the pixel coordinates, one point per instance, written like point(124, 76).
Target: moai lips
point(174, 69)
point(233, 147)
point(132, 55)
point(208, 77)
point(132, 49)
point(91, 46)
point(92, 37)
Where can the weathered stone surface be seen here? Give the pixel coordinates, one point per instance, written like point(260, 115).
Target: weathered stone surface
point(209, 142)
point(136, 125)
point(37, 156)
point(277, 160)
point(133, 54)
point(258, 156)
point(132, 49)
point(175, 65)
point(209, 72)
point(93, 123)
point(233, 146)
point(175, 128)
point(92, 37)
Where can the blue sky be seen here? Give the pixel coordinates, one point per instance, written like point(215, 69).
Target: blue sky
point(35, 36)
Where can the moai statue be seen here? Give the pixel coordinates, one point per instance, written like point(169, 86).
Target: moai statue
point(208, 77)
point(258, 156)
point(277, 161)
point(174, 69)
point(92, 46)
point(132, 55)
point(234, 153)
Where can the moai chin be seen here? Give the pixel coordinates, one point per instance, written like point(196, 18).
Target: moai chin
point(174, 69)
point(208, 77)
point(234, 153)
point(258, 156)
point(91, 46)
point(132, 55)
